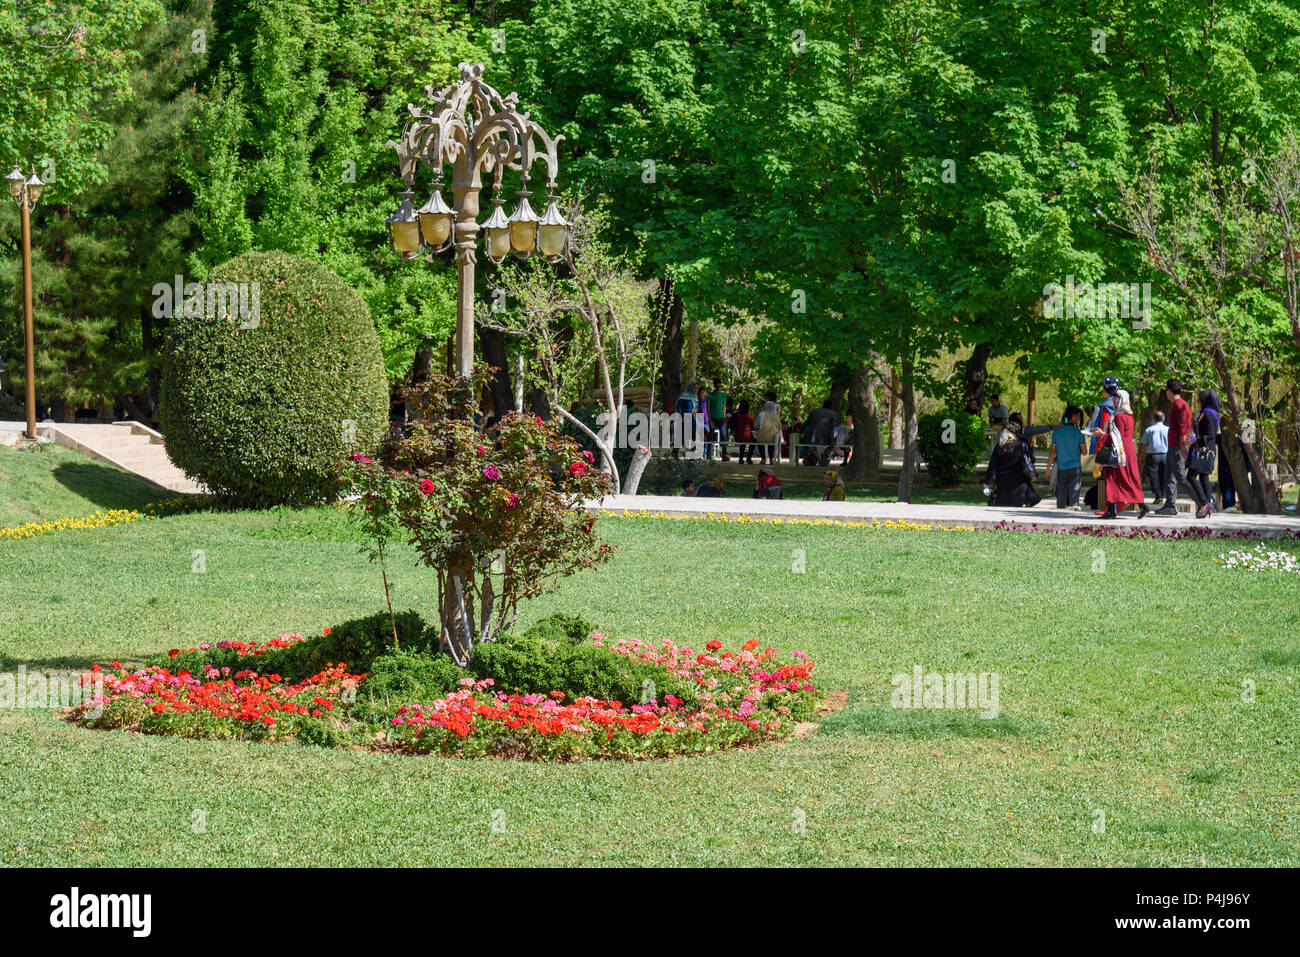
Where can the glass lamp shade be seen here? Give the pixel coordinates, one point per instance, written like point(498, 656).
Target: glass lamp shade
point(15, 181)
point(34, 187)
point(404, 228)
point(435, 221)
point(552, 232)
point(497, 229)
point(523, 228)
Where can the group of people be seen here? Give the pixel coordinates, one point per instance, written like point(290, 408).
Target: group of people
point(1179, 451)
point(724, 422)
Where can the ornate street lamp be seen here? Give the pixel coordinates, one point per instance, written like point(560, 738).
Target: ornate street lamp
point(25, 193)
point(472, 127)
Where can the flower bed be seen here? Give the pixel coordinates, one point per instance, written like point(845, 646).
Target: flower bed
point(741, 698)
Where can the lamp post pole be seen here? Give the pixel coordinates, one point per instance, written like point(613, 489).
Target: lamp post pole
point(25, 193)
point(472, 127)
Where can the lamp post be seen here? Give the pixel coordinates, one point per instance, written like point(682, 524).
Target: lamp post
point(472, 127)
point(25, 193)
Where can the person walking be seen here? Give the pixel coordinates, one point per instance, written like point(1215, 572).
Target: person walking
point(1011, 468)
point(1123, 481)
point(1067, 455)
point(1152, 452)
point(1178, 440)
point(1200, 463)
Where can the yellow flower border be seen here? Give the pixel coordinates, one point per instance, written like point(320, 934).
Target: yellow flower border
point(744, 519)
point(105, 518)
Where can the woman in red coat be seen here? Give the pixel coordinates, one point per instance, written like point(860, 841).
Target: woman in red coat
point(1123, 482)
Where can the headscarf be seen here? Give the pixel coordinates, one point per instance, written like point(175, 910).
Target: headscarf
point(1010, 433)
point(1123, 403)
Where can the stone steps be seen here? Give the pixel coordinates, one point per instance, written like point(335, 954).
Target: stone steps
point(131, 447)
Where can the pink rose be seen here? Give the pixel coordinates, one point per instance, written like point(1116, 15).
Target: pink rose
point(512, 500)
point(492, 473)
point(590, 459)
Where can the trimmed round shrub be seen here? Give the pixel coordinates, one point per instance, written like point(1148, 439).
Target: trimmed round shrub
point(950, 444)
point(270, 379)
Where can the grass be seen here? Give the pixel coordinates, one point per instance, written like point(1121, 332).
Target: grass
point(52, 482)
point(1120, 692)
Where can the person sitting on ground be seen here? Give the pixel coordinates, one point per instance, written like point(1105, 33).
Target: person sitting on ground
point(834, 487)
point(767, 486)
point(713, 488)
point(1011, 468)
point(688, 487)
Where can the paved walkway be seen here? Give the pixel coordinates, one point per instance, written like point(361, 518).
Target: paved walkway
point(1044, 516)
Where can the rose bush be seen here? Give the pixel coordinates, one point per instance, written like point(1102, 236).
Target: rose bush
point(495, 512)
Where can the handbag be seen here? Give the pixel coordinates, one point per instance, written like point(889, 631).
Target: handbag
point(1107, 456)
point(1201, 458)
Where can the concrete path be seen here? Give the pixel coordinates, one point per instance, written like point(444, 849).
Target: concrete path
point(130, 446)
point(1045, 516)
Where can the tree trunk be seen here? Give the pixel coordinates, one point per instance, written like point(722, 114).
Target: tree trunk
point(909, 434)
point(422, 366)
point(839, 389)
point(494, 353)
point(640, 459)
point(895, 412)
point(976, 373)
point(671, 367)
point(865, 464)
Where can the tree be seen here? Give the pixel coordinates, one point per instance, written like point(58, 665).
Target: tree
point(595, 296)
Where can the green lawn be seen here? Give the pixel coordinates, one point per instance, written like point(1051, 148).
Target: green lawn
point(1120, 692)
point(52, 482)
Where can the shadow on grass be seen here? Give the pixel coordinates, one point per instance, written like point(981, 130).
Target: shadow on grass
point(76, 663)
point(869, 720)
point(1280, 659)
point(105, 485)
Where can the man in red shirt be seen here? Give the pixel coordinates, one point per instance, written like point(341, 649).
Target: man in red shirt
point(1180, 436)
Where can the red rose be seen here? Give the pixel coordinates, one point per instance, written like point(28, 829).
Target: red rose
point(588, 457)
point(478, 450)
point(426, 487)
point(578, 469)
